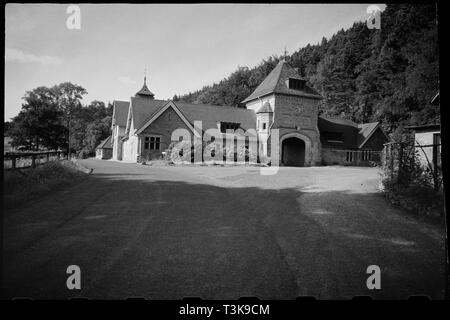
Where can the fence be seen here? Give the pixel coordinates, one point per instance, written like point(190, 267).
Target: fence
point(404, 161)
point(22, 160)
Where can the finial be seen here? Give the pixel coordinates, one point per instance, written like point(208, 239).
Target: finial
point(145, 76)
point(285, 53)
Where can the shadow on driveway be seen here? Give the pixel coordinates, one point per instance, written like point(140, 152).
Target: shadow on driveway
point(145, 236)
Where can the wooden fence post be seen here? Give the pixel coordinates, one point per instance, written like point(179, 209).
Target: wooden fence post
point(33, 160)
point(391, 161)
point(13, 162)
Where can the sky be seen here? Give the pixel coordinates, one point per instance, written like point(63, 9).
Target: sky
point(182, 47)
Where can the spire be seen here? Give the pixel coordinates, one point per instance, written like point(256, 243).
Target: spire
point(145, 91)
point(285, 54)
point(145, 76)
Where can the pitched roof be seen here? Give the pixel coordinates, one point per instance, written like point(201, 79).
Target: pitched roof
point(210, 115)
point(143, 109)
point(425, 128)
point(345, 130)
point(266, 108)
point(105, 144)
point(365, 131)
point(351, 134)
point(276, 82)
point(120, 112)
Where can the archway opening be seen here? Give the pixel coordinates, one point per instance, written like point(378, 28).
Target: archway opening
point(293, 152)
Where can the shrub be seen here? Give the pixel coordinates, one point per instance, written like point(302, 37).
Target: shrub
point(85, 153)
point(242, 154)
point(407, 183)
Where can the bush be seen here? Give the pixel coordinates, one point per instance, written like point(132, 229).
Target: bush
point(243, 154)
point(85, 153)
point(410, 185)
point(179, 153)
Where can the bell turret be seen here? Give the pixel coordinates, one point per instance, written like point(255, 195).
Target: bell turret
point(145, 92)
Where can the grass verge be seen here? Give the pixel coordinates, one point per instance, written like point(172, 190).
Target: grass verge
point(22, 186)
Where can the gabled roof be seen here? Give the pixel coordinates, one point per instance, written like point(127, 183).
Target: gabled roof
point(120, 112)
point(353, 135)
point(366, 130)
point(276, 82)
point(142, 111)
point(105, 144)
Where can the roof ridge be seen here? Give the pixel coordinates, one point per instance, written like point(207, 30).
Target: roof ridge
point(208, 105)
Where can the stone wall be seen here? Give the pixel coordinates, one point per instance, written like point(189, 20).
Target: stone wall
point(162, 127)
point(104, 154)
point(296, 114)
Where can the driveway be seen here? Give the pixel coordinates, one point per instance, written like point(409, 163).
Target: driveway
point(167, 232)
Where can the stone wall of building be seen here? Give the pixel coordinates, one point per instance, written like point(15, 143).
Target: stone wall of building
point(162, 127)
point(296, 114)
point(118, 133)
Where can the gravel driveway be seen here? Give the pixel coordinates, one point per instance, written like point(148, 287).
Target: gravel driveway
point(165, 232)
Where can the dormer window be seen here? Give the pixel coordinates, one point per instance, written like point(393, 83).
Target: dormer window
point(333, 137)
point(296, 84)
point(224, 126)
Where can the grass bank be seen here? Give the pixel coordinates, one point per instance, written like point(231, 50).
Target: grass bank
point(22, 186)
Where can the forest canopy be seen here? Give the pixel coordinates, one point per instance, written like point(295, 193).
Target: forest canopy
point(387, 75)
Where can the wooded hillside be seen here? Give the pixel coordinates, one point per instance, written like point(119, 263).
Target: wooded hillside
point(363, 74)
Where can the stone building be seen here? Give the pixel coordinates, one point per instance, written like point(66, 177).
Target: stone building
point(104, 149)
point(142, 128)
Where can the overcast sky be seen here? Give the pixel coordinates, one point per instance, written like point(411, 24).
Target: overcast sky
point(183, 47)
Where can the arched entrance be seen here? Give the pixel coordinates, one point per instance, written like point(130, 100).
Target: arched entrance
point(293, 152)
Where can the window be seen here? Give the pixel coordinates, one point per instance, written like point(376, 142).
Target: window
point(366, 155)
point(333, 137)
point(296, 84)
point(224, 126)
point(264, 126)
point(152, 143)
point(350, 156)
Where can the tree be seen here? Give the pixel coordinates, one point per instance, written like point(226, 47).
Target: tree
point(69, 98)
point(38, 125)
point(386, 75)
point(96, 132)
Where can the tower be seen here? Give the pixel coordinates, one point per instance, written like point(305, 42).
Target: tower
point(264, 119)
point(145, 92)
point(294, 107)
